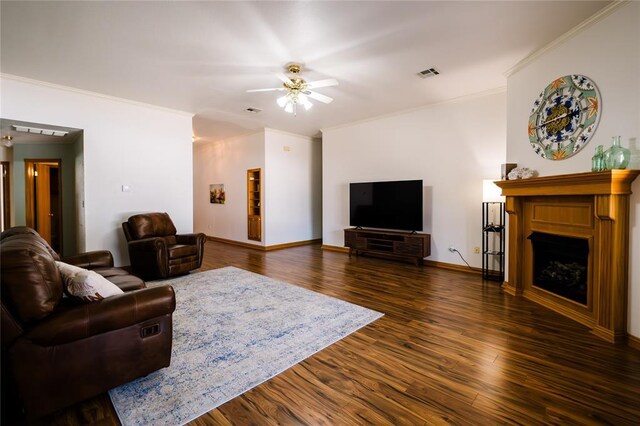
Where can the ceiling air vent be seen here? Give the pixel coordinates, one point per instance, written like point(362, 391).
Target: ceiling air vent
point(253, 110)
point(431, 72)
point(38, 131)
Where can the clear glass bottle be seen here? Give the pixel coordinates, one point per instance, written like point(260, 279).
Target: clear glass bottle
point(597, 161)
point(617, 157)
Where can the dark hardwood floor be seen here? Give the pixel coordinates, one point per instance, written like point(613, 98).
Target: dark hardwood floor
point(450, 349)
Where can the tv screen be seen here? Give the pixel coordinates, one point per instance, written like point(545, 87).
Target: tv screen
point(386, 205)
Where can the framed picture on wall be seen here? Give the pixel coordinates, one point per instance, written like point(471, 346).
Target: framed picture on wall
point(216, 193)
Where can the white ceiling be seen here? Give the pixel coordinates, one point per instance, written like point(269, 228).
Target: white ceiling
point(201, 57)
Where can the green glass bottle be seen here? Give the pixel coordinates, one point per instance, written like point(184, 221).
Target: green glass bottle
point(617, 157)
point(597, 161)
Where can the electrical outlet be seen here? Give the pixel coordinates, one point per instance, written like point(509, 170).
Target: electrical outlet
point(476, 250)
point(452, 249)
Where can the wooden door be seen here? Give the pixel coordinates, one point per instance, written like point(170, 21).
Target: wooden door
point(255, 228)
point(44, 200)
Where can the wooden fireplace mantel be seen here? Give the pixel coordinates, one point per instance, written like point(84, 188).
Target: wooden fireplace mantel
point(611, 182)
point(593, 206)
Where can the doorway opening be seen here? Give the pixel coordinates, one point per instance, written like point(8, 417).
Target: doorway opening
point(43, 192)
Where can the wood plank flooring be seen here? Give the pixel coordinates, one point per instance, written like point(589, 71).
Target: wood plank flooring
point(451, 349)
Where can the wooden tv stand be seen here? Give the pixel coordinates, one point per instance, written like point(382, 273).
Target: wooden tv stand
point(388, 243)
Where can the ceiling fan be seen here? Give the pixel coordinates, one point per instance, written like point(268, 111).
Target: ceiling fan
point(297, 90)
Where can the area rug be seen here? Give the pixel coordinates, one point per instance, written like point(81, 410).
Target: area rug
point(232, 330)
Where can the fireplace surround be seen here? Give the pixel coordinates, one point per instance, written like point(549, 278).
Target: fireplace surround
point(591, 207)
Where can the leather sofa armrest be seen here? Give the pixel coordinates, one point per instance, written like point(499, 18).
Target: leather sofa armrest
point(148, 244)
point(189, 239)
point(112, 313)
point(91, 259)
point(149, 257)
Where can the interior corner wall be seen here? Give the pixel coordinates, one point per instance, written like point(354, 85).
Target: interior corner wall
point(608, 52)
point(78, 159)
point(226, 162)
point(145, 148)
point(452, 147)
point(64, 152)
point(293, 188)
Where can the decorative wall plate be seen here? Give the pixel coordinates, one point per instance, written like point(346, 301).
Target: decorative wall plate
point(564, 117)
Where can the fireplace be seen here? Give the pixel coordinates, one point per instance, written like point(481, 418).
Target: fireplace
point(568, 246)
point(560, 265)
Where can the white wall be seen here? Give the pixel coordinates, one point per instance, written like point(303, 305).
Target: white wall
point(226, 162)
point(452, 147)
point(293, 188)
point(125, 143)
point(291, 180)
point(608, 52)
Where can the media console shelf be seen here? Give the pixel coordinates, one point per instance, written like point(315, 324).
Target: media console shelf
point(388, 243)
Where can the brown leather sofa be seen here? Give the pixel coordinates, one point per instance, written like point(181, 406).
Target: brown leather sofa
point(157, 251)
point(57, 351)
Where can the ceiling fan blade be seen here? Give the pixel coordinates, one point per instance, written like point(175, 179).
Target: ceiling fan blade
point(322, 83)
point(266, 90)
point(284, 78)
point(318, 97)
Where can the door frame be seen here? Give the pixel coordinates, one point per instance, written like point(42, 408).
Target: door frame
point(30, 194)
point(6, 191)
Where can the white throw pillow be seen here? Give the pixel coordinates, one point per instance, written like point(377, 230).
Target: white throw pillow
point(88, 286)
point(68, 272)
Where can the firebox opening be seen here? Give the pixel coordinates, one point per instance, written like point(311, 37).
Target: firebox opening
point(560, 265)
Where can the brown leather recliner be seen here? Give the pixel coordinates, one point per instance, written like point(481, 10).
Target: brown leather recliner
point(157, 251)
point(57, 351)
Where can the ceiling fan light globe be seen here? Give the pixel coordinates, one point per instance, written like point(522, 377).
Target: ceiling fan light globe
point(282, 101)
point(306, 104)
point(288, 107)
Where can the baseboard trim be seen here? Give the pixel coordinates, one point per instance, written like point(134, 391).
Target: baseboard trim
point(235, 243)
point(293, 244)
point(264, 248)
point(335, 248)
point(453, 267)
point(633, 341)
point(432, 263)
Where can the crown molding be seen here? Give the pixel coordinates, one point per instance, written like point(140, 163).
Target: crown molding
point(465, 98)
point(597, 17)
point(284, 132)
point(89, 93)
point(204, 141)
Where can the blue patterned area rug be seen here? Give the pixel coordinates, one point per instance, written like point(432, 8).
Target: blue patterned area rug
point(232, 330)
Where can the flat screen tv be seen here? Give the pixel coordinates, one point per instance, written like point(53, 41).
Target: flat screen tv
point(386, 205)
